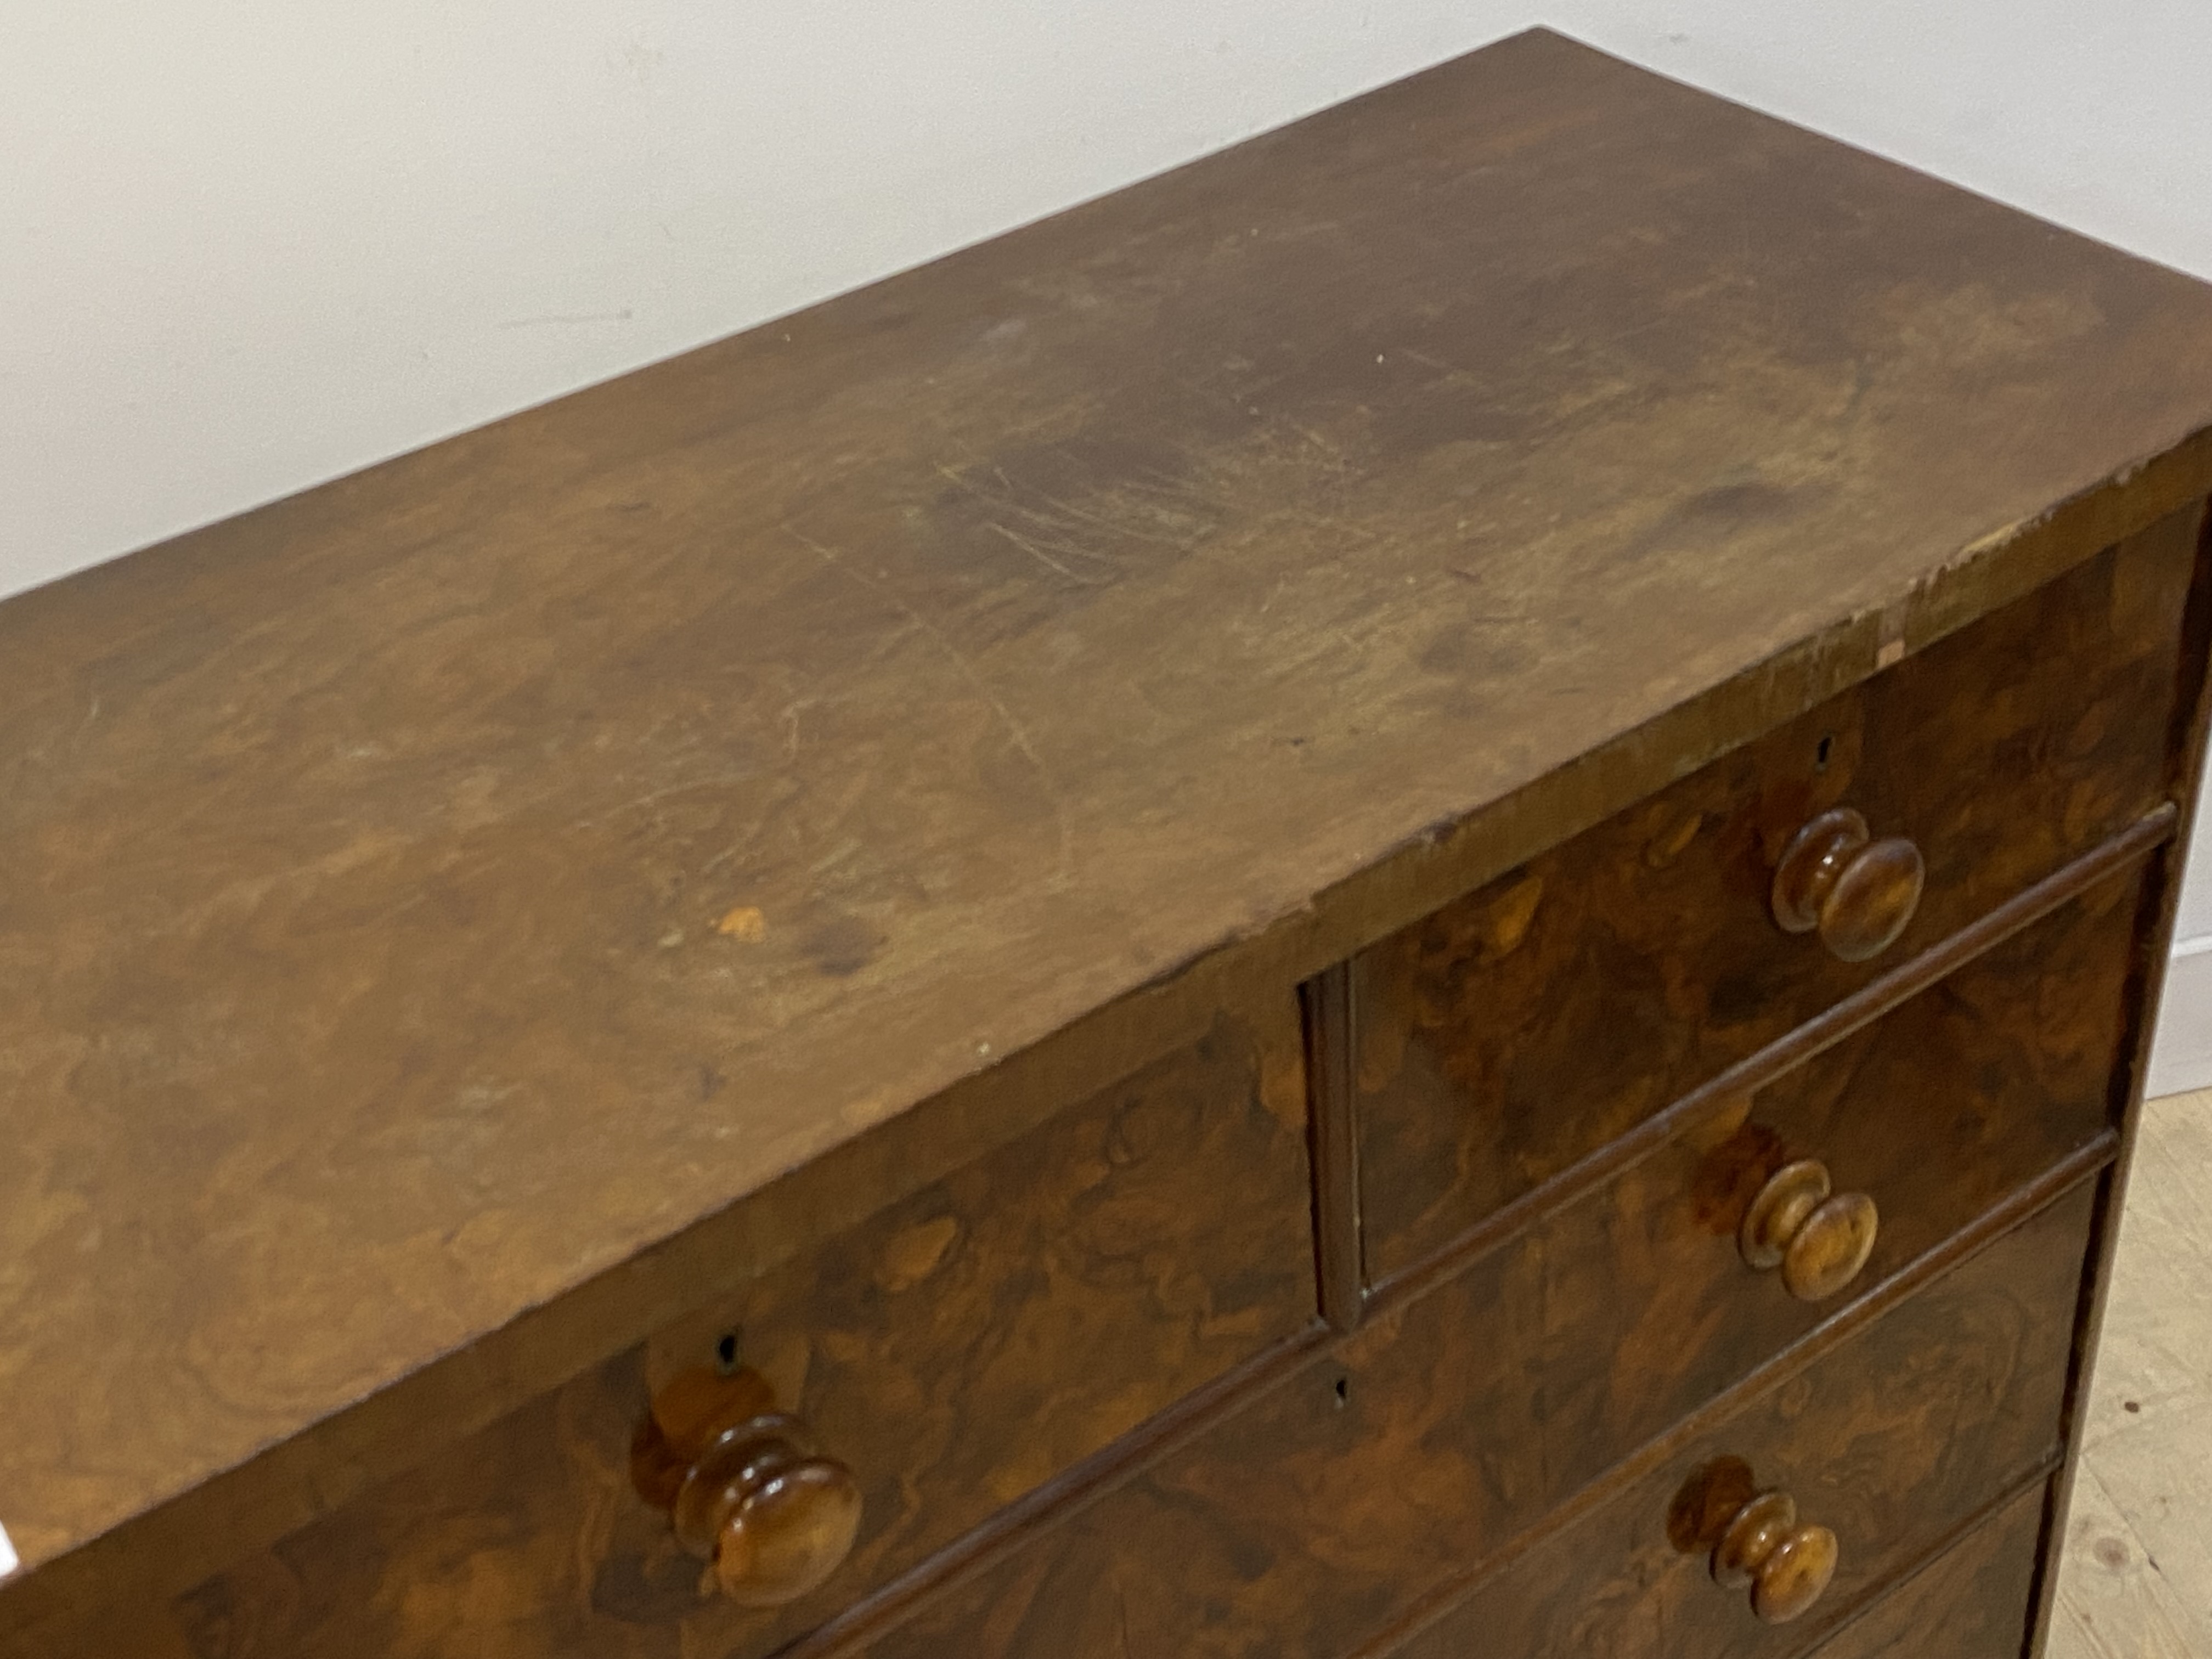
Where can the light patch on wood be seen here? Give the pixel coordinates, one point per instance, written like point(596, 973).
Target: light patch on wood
point(1664, 849)
point(1386, 1013)
point(1729, 1117)
point(1889, 649)
point(8, 1560)
point(746, 922)
point(1277, 1033)
point(1510, 917)
point(1283, 1083)
point(915, 1254)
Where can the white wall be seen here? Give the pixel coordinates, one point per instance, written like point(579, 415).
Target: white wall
point(2181, 1058)
point(248, 245)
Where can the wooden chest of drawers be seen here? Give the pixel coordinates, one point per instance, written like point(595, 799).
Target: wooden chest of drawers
point(1395, 898)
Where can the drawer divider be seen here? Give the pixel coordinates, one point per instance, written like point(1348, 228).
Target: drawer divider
point(1331, 1020)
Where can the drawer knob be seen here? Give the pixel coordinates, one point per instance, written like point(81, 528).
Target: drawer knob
point(1786, 1565)
point(1819, 1237)
point(774, 1517)
point(747, 1487)
point(1858, 893)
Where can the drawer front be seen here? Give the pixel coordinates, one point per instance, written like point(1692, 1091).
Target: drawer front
point(1519, 1029)
point(1972, 1602)
point(1307, 1525)
point(955, 1352)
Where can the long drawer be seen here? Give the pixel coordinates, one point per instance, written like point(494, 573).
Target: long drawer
point(953, 1352)
point(1511, 1033)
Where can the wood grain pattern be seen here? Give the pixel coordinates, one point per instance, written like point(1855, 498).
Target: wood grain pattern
point(1972, 1602)
point(1523, 1026)
point(1313, 1520)
point(455, 918)
point(960, 1348)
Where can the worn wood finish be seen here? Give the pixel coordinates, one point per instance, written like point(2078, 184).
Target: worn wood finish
point(460, 921)
point(1310, 1523)
point(430, 894)
point(1521, 1027)
point(962, 1347)
point(1972, 1602)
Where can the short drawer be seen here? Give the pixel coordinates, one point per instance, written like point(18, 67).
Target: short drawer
point(1318, 1524)
point(1971, 1603)
point(1511, 1033)
point(953, 1352)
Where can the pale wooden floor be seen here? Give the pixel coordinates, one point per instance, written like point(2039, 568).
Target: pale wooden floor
point(2135, 1581)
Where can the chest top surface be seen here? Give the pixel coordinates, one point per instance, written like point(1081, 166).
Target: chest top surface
point(420, 896)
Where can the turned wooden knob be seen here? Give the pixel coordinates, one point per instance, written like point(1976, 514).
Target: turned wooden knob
point(1857, 892)
point(774, 1517)
point(1818, 1238)
point(1786, 1565)
point(747, 1487)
